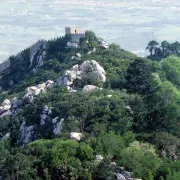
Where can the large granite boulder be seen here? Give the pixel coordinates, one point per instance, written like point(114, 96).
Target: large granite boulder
point(76, 136)
point(32, 91)
point(89, 68)
point(6, 136)
point(5, 108)
point(89, 88)
point(120, 176)
point(5, 105)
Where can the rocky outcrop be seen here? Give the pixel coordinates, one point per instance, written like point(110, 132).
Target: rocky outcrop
point(45, 115)
point(76, 136)
point(78, 55)
point(103, 44)
point(99, 158)
point(32, 91)
point(122, 174)
point(38, 53)
point(89, 88)
point(10, 107)
point(5, 105)
point(5, 108)
point(89, 68)
point(57, 126)
point(26, 134)
point(6, 136)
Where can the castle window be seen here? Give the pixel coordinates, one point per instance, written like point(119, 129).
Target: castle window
point(75, 31)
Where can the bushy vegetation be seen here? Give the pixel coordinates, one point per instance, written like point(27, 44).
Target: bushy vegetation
point(133, 121)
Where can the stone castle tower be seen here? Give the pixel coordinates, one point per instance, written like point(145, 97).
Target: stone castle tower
point(75, 33)
point(72, 30)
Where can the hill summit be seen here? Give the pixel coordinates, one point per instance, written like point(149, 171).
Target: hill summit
point(88, 111)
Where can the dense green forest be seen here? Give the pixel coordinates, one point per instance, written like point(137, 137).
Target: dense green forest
point(131, 125)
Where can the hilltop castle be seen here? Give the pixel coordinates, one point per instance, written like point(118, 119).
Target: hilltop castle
point(76, 35)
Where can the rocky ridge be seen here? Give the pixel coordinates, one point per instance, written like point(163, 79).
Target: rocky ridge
point(89, 68)
point(27, 133)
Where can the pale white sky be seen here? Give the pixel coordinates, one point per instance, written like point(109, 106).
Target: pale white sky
point(130, 23)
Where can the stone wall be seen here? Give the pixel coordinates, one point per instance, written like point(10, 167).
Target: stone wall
point(4, 65)
point(77, 37)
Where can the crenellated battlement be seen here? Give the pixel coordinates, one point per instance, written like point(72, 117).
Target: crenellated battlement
point(72, 30)
point(75, 33)
point(78, 34)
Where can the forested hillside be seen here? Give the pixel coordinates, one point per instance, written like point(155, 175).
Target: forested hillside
point(89, 113)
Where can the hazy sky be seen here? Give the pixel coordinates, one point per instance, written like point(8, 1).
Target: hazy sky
point(130, 23)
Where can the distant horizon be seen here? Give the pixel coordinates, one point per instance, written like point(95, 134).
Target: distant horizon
point(128, 23)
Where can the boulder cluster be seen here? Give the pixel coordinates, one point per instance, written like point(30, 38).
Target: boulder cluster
point(122, 174)
point(27, 132)
point(5, 107)
point(32, 91)
point(89, 68)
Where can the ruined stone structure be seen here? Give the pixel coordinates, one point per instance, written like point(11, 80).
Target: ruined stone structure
point(76, 35)
point(72, 30)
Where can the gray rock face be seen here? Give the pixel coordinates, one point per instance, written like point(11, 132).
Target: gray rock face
point(5, 108)
point(6, 136)
point(121, 173)
point(27, 133)
point(89, 88)
point(46, 112)
point(57, 127)
point(78, 72)
point(5, 113)
point(15, 106)
point(16, 102)
point(78, 55)
point(38, 53)
point(55, 120)
point(76, 136)
point(99, 158)
point(5, 105)
point(32, 91)
point(94, 50)
point(127, 174)
point(120, 176)
point(103, 44)
point(10, 108)
point(89, 52)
